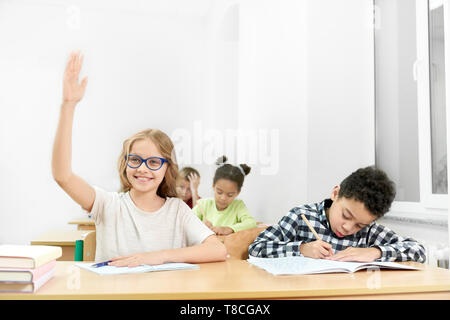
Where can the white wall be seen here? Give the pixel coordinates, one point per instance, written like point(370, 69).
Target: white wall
point(273, 103)
point(145, 63)
point(308, 114)
point(340, 88)
point(291, 75)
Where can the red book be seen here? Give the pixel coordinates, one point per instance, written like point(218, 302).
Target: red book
point(25, 275)
point(28, 287)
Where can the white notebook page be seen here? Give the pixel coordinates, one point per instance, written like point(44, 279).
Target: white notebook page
point(304, 265)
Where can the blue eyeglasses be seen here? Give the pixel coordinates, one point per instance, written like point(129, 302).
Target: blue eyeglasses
point(153, 163)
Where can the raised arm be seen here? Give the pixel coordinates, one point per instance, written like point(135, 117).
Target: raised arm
point(78, 189)
point(194, 181)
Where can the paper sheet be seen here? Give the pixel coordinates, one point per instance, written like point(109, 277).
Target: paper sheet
point(304, 265)
point(109, 270)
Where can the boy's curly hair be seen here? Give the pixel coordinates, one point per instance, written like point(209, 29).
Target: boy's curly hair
point(372, 187)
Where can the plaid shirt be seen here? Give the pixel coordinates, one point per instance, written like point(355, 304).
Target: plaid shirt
point(284, 239)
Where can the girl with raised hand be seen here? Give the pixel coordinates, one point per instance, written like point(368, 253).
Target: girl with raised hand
point(144, 223)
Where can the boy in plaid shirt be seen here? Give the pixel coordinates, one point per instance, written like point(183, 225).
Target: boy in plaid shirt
point(346, 224)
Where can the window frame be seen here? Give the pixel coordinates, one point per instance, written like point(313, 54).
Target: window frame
point(427, 198)
point(431, 206)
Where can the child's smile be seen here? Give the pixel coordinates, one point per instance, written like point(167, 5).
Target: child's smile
point(142, 182)
point(142, 178)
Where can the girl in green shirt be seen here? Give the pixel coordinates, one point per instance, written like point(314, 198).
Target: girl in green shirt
point(225, 214)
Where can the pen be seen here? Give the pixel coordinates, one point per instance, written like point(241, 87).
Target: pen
point(310, 227)
point(101, 264)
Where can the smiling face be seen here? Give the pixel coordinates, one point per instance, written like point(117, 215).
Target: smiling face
point(347, 216)
point(143, 179)
point(225, 191)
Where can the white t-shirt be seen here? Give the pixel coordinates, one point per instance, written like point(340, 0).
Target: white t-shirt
point(123, 229)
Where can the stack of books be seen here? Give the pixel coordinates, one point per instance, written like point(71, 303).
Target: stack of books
point(26, 268)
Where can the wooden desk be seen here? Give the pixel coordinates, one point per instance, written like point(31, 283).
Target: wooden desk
point(83, 224)
point(64, 239)
point(237, 279)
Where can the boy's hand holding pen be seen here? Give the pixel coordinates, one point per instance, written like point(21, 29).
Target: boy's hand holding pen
point(317, 249)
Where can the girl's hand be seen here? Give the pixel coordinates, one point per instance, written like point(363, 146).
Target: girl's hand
point(72, 90)
point(194, 181)
point(208, 224)
point(317, 249)
point(357, 254)
point(137, 259)
point(222, 231)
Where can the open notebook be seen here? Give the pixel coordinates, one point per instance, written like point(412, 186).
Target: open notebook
point(108, 270)
point(303, 265)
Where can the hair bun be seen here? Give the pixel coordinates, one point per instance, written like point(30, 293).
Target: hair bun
point(221, 160)
point(246, 168)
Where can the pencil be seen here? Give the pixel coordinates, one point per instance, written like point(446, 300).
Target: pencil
point(310, 227)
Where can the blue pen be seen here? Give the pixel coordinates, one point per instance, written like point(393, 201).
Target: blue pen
point(101, 264)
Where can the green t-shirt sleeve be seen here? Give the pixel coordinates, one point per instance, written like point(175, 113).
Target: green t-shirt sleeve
point(201, 208)
point(197, 212)
point(244, 218)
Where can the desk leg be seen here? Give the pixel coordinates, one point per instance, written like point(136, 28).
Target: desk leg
point(68, 254)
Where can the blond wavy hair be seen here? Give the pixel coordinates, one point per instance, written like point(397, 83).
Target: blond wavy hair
point(184, 173)
point(167, 188)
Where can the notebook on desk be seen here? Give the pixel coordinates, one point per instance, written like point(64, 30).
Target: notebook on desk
point(304, 265)
point(110, 270)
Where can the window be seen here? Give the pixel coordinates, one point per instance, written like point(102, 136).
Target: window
point(437, 99)
point(410, 86)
